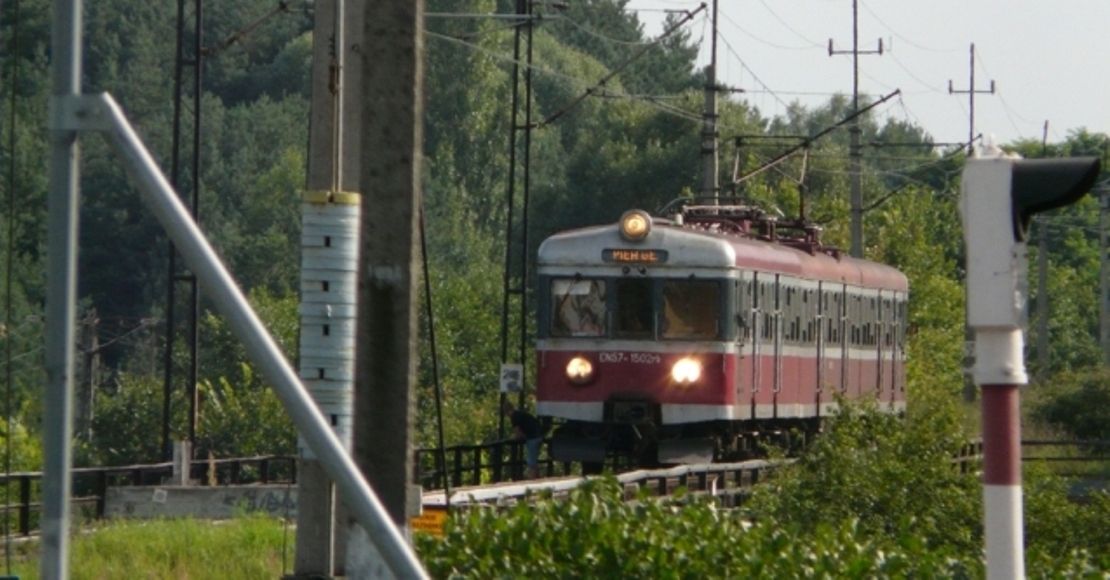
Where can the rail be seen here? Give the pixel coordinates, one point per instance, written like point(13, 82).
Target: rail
point(503, 461)
point(471, 465)
point(730, 482)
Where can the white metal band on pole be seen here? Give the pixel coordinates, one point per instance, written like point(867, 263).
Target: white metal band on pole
point(101, 113)
point(329, 293)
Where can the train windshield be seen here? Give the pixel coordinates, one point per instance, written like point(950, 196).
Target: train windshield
point(635, 308)
point(691, 308)
point(578, 307)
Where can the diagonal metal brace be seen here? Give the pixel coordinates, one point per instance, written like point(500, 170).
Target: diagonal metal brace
point(80, 113)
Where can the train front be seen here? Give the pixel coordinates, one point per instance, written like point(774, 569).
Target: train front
point(637, 346)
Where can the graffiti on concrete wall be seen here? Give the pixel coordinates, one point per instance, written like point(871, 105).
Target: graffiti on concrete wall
point(279, 503)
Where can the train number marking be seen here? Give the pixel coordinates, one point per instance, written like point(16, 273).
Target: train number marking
point(643, 358)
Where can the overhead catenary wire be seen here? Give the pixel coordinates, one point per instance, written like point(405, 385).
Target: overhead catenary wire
point(754, 76)
point(620, 67)
point(659, 101)
point(441, 460)
point(809, 140)
point(894, 33)
point(788, 27)
point(760, 40)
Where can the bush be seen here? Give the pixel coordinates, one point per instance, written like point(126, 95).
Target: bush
point(892, 475)
point(1077, 404)
point(596, 534)
point(875, 496)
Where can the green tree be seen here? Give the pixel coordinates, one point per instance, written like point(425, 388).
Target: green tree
point(1076, 404)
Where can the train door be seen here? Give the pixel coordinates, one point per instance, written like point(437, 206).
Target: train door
point(882, 349)
point(870, 355)
point(796, 375)
point(847, 334)
point(746, 339)
point(779, 292)
point(898, 332)
point(819, 353)
point(832, 356)
point(764, 330)
point(756, 325)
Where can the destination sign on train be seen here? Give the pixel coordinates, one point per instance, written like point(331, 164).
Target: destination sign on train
point(635, 256)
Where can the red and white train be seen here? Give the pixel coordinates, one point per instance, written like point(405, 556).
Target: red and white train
point(681, 339)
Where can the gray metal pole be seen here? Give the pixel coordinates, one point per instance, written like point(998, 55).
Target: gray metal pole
point(61, 293)
point(1103, 280)
point(103, 114)
point(709, 139)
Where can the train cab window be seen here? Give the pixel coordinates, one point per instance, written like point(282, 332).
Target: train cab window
point(635, 308)
point(691, 308)
point(577, 307)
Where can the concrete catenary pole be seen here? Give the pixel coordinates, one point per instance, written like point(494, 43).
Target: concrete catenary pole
point(391, 158)
point(854, 152)
point(709, 135)
point(329, 268)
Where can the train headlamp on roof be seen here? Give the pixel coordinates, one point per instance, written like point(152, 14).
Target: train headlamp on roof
point(635, 225)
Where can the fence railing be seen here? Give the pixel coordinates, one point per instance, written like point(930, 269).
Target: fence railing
point(20, 492)
point(458, 466)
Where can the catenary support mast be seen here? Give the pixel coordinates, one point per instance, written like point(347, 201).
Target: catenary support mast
point(854, 154)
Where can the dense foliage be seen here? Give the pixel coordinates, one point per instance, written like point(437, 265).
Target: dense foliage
point(632, 143)
point(1076, 405)
point(595, 534)
point(874, 497)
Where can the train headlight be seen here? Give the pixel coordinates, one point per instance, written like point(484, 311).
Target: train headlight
point(635, 225)
point(686, 371)
point(580, 371)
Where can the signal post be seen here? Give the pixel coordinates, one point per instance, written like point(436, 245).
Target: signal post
point(999, 195)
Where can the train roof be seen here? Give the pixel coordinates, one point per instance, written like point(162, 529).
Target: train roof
point(695, 245)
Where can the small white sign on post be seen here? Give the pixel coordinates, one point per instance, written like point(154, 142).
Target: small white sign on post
point(512, 378)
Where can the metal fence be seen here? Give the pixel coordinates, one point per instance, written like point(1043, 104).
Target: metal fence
point(454, 467)
point(21, 492)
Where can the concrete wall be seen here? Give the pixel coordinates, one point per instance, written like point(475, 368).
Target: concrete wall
point(279, 501)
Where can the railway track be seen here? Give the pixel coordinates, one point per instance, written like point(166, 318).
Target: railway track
point(728, 481)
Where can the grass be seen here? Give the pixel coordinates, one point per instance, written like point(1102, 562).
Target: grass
point(246, 547)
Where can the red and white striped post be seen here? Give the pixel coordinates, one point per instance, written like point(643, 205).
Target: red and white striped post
point(999, 195)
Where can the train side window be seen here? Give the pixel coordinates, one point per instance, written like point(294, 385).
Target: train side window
point(888, 326)
point(743, 311)
point(577, 307)
point(855, 313)
point(790, 323)
point(635, 308)
point(830, 315)
point(767, 307)
point(810, 313)
point(691, 308)
point(833, 316)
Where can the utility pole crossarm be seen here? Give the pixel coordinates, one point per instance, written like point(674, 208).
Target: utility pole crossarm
point(970, 92)
point(856, 197)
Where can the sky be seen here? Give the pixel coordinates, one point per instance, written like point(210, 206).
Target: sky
point(1049, 59)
